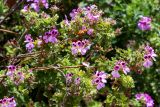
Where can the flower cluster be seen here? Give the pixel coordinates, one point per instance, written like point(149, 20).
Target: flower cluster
point(149, 56)
point(29, 41)
point(7, 102)
point(15, 75)
point(89, 13)
point(99, 79)
point(50, 36)
point(120, 66)
point(35, 4)
point(80, 47)
point(90, 31)
point(69, 79)
point(145, 98)
point(84, 18)
point(144, 23)
point(11, 70)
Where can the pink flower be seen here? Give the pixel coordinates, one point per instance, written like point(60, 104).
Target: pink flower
point(69, 78)
point(93, 17)
point(80, 47)
point(150, 51)
point(16, 76)
point(89, 13)
point(36, 4)
point(29, 41)
point(11, 70)
point(73, 13)
point(50, 36)
point(92, 13)
point(28, 38)
point(25, 8)
point(149, 57)
point(115, 74)
point(99, 79)
point(54, 32)
point(77, 81)
point(144, 23)
point(90, 31)
point(52, 39)
point(145, 98)
point(29, 46)
point(120, 65)
point(147, 62)
point(45, 37)
point(8, 102)
point(45, 3)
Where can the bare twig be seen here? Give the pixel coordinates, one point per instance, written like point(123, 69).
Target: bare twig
point(55, 67)
point(33, 54)
point(8, 31)
point(17, 59)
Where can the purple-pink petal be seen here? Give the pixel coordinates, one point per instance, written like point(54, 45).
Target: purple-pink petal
point(115, 74)
point(147, 63)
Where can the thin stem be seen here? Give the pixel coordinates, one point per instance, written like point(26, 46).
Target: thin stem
point(55, 67)
point(33, 54)
point(8, 31)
